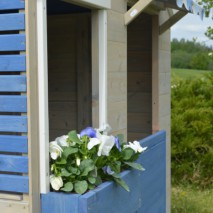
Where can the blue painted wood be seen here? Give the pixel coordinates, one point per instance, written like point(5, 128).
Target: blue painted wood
point(12, 163)
point(12, 63)
point(14, 183)
point(148, 188)
point(13, 103)
point(13, 83)
point(11, 143)
point(59, 202)
point(11, 4)
point(12, 42)
point(10, 123)
point(13, 21)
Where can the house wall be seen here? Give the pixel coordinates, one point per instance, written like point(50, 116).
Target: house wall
point(165, 96)
point(117, 67)
point(69, 73)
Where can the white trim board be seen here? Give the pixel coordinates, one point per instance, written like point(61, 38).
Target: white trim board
point(93, 4)
point(43, 95)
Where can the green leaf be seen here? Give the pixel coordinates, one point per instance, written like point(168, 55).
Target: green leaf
point(74, 137)
point(69, 151)
point(94, 173)
point(81, 187)
point(91, 186)
point(86, 166)
point(61, 162)
point(121, 138)
point(68, 187)
point(135, 165)
point(116, 175)
point(74, 170)
point(98, 181)
point(127, 153)
point(92, 180)
point(122, 183)
point(65, 173)
point(116, 166)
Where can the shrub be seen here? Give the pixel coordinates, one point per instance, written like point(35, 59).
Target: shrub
point(192, 131)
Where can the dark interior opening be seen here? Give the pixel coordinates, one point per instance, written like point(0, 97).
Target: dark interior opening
point(69, 67)
point(139, 73)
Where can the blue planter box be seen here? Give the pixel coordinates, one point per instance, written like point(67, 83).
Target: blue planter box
point(147, 189)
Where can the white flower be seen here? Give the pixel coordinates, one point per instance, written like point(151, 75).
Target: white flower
point(55, 150)
point(107, 142)
point(56, 182)
point(93, 142)
point(104, 128)
point(210, 54)
point(135, 146)
point(62, 141)
point(78, 161)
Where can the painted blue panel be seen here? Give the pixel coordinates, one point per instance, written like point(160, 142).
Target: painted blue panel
point(10, 123)
point(59, 203)
point(11, 42)
point(11, 143)
point(11, 4)
point(14, 183)
point(12, 63)
point(13, 83)
point(13, 103)
point(12, 163)
point(13, 21)
point(147, 189)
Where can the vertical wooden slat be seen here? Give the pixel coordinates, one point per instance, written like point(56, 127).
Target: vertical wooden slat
point(32, 100)
point(155, 74)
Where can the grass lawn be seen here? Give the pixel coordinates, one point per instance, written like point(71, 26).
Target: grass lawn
point(190, 200)
point(187, 73)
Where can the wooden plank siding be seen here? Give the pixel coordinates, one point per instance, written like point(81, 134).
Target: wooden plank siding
point(14, 160)
point(12, 63)
point(13, 103)
point(14, 183)
point(12, 22)
point(13, 83)
point(139, 83)
point(69, 76)
point(11, 143)
point(12, 4)
point(12, 42)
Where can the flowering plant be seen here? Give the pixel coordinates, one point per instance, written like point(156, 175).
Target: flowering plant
point(82, 161)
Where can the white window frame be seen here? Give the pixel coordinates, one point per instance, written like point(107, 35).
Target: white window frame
point(43, 77)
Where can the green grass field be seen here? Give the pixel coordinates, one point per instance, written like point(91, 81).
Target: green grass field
point(191, 200)
point(187, 73)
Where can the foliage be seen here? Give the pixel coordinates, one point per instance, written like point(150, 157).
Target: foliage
point(187, 73)
point(81, 162)
point(186, 199)
point(190, 55)
point(192, 131)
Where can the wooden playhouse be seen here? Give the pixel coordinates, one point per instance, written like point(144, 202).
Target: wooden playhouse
point(75, 63)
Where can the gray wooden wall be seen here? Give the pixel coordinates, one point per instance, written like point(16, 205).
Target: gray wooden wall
point(69, 73)
point(139, 65)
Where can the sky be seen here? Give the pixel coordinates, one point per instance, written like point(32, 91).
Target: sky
point(191, 26)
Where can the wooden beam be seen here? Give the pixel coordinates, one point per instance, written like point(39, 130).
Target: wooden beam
point(171, 21)
point(136, 10)
point(93, 4)
point(155, 74)
point(32, 107)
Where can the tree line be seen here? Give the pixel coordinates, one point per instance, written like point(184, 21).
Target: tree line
point(191, 55)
